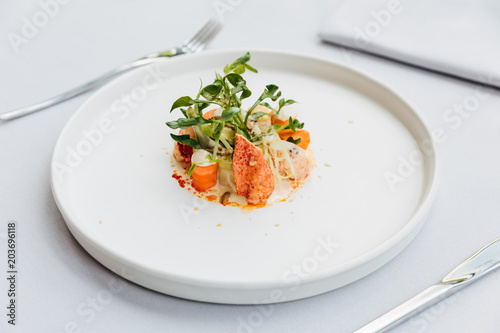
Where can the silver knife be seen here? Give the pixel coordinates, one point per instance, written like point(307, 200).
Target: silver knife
point(476, 266)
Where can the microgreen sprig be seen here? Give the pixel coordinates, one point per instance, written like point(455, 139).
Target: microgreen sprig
point(227, 92)
point(292, 124)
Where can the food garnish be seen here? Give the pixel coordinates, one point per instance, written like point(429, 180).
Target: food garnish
point(242, 154)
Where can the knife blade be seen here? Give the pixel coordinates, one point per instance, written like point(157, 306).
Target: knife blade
point(479, 264)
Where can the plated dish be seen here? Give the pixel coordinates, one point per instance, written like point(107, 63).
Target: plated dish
point(364, 201)
point(241, 156)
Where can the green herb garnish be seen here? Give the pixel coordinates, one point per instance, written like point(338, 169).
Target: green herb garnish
point(186, 140)
point(227, 92)
point(292, 140)
point(292, 124)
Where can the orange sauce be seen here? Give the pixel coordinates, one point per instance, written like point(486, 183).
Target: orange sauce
point(213, 196)
point(182, 182)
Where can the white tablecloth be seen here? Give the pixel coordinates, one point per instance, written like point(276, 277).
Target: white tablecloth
point(48, 46)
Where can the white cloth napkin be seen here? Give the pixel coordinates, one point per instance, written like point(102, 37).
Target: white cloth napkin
point(455, 37)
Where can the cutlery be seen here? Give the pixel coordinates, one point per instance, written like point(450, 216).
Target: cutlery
point(476, 266)
point(195, 44)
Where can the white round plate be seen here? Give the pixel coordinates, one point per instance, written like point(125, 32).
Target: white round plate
point(367, 198)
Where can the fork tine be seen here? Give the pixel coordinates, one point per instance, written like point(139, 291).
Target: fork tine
point(203, 36)
point(198, 34)
point(210, 25)
point(210, 35)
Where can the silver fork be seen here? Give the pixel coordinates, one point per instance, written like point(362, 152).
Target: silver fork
point(195, 44)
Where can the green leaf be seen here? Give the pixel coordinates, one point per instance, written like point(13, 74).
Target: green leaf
point(281, 103)
point(187, 122)
point(202, 106)
point(257, 115)
point(284, 102)
point(228, 113)
point(277, 127)
point(217, 130)
point(290, 139)
point(267, 105)
point(185, 112)
point(240, 69)
point(246, 93)
point(235, 79)
point(182, 101)
point(292, 124)
point(243, 59)
point(270, 92)
point(211, 91)
point(239, 65)
point(250, 68)
point(295, 124)
point(185, 139)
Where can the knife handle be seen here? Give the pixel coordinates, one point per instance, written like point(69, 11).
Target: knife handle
point(414, 305)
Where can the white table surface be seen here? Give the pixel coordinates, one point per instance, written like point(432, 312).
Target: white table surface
point(63, 289)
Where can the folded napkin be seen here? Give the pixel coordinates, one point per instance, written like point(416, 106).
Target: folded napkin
point(455, 37)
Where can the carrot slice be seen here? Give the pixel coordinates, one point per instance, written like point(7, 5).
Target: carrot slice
point(204, 176)
point(276, 120)
point(301, 134)
point(281, 122)
point(209, 114)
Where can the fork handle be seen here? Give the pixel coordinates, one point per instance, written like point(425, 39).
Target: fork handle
point(84, 87)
